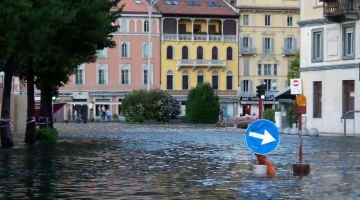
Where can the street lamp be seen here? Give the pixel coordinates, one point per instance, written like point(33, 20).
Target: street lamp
point(274, 85)
point(151, 4)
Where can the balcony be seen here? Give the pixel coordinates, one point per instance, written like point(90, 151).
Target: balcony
point(218, 92)
point(247, 94)
point(288, 51)
point(247, 51)
point(201, 63)
point(199, 37)
point(341, 10)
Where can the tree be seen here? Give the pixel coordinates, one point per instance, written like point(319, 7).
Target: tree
point(202, 105)
point(294, 67)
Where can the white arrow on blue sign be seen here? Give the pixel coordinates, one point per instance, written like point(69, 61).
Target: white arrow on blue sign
point(262, 137)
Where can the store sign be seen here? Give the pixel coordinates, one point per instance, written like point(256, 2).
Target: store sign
point(256, 99)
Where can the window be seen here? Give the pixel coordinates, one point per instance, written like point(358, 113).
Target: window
point(215, 80)
point(185, 80)
point(146, 51)
point(320, 2)
point(169, 80)
point(267, 69)
point(113, 4)
point(317, 45)
point(348, 97)
point(288, 43)
point(229, 81)
point(199, 53)
point(200, 77)
point(214, 53)
point(275, 70)
point(125, 50)
point(268, 45)
point(349, 41)
point(137, 1)
point(267, 20)
point(259, 69)
point(185, 53)
point(169, 53)
point(267, 84)
point(192, 3)
point(169, 2)
point(317, 99)
point(146, 26)
point(147, 75)
point(102, 53)
point(123, 26)
point(125, 77)
point(289, 21)
point(245, 42)
point(229, 53)
point(213, 4)
point(80, 75)
point(246, 67)
point(245, 86)
point(245, 20)
point(102, 72)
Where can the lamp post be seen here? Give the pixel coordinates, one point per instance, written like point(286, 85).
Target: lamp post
point(151, 4)
point(274, 86)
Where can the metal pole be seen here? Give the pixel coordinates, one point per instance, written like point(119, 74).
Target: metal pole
point(260, 107)
point(149, 45)
point(300, 139)
point(274, 99)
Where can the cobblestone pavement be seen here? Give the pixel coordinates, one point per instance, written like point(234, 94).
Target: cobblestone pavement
point(121, 161)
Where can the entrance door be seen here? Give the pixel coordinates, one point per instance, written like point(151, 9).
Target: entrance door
point(246, 109)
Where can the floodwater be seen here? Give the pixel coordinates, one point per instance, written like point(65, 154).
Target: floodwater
point(172, 163)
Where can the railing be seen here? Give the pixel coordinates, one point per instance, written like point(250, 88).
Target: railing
point(247, 50)
point(207, 63)
point(218, 92)
point(288, 51)
point(339, 7)
point(199, 37)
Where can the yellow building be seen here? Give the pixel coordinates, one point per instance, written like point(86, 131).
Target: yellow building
point(200, 44)
point(269, 38)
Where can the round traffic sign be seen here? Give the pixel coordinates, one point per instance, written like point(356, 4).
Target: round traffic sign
point(295, 83)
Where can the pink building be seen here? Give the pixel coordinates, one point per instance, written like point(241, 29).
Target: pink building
point(102, 85)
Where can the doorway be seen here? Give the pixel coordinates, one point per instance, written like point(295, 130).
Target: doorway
point(268, 106)
point(246, 109)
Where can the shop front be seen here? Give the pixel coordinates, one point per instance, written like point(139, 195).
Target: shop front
point(250, 105)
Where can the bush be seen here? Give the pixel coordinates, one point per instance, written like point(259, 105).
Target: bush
point(156, 104)
point(115, 116)
point(46, 134)
point(269, 114)
point(202, 105)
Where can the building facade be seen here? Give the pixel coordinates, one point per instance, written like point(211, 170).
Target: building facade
point(268, 40)
point(199, 44)
point(102, 85)
point(329, 63)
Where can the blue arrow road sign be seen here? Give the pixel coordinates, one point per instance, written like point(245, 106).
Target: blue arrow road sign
point(262, 136)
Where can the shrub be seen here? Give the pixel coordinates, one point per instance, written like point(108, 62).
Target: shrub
point(156, 104)
point(46, 134)
point(115, 116)
point(269, 114)
point(202, 105)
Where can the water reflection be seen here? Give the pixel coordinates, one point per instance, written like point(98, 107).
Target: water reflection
point(171, 166)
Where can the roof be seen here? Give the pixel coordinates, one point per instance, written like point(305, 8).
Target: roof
point(136, 7)
point(214, 8)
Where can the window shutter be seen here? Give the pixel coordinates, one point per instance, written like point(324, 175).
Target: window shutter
point(261, 81)
point(250, 89)
point(263, 45)
point(285, 44)
point(272, 45)
point(241, 42)
point(294, 44)
point(250, 43)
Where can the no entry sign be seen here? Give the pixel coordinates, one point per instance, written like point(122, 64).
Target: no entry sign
point(296, 86)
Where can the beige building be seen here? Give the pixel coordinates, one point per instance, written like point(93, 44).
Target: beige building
point(329, 63)
point(269, 38)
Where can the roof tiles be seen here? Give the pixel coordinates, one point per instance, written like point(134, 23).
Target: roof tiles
point(196, 8)
point(136, 7)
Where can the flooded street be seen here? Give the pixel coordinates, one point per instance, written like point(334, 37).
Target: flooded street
point(117, 161)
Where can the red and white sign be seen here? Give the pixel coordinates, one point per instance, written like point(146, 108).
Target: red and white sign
point(296, 86)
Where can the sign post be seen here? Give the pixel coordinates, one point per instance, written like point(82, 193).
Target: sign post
point(262, 137)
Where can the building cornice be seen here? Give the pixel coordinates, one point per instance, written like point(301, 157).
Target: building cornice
point(269, 9)
point(329, 67)
point(314, 22)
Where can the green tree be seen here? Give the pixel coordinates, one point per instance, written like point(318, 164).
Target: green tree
point(294, 67)
point(202, 105)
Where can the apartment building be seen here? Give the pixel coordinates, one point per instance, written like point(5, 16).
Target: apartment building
point(268, 40)
point(102, 85)
point(329, 63)
point(199, 44)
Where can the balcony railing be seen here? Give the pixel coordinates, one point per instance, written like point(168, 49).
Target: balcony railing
point(218, 92)
point(201, 63)
point(340, 10)
point(247, 50)
point(288, 51)
point(199, 37)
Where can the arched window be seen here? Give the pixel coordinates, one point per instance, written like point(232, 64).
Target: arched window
point(125, 50)
point(146, 26)
point(214, 53)
point(200, 77)
point(215, 80)
point(170, 53)
point(229, 80)
point(199, 53)
point(229, 53)
point(185, 80)
point(185, 53)
point(169, 80)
